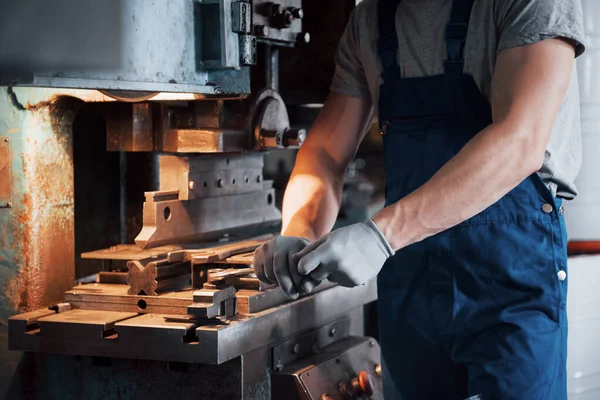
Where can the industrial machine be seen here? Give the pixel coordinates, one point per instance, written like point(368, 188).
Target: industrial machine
point(142, 176)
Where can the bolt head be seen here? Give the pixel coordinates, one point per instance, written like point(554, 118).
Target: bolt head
point(191, 185)
point(8, 205)
point(6, 140)
point(296, 348)
point(332, 332)
point(378, 369)
point(303, 38)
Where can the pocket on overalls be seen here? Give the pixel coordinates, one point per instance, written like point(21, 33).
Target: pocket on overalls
point(508, 269)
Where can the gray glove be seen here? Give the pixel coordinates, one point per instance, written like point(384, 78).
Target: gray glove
point(350, 256)
point(273, 263)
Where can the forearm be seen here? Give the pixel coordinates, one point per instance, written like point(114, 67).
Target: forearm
point(489, 166)
point(312, 198)
point(528, 87)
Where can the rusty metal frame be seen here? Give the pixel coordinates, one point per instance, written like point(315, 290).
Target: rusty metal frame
point(5, 172)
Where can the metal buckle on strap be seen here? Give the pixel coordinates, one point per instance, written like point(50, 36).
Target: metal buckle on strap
point(455, 49)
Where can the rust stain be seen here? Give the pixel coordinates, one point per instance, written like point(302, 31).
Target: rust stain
point(44, 224)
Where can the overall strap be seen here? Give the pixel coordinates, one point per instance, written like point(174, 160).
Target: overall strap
point(456, 35)
point(387, 44)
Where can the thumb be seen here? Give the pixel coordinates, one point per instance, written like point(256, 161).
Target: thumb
point(310, 261)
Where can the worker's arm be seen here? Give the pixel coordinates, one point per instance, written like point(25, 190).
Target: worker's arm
point(314, 192)
point(528, 87)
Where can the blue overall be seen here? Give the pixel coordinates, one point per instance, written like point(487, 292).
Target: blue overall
point(477, 311)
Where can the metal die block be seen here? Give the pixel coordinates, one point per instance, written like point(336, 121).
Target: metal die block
point(92, 332)
point(76, 324)
point(129, 127)
point(251, 301)
point(349, 368)
point(174, 221)
point(157, 276)
point(212, 303)
point(204, 141)
point(23, 329)
point(111, 297)
point(203, 176)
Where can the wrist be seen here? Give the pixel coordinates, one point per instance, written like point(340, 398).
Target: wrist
point(300, 231)
point(384, 221)
point(386, 246)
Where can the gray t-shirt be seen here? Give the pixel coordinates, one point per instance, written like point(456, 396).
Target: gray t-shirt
point(495, 25)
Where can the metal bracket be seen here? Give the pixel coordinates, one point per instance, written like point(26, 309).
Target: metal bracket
point(212, 303)
point(5, 172)
point(309, 343)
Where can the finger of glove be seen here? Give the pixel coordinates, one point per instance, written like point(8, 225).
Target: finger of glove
point(308, 284)
point(311, 258)
point(281, 270)
point(320, 273)
point(297, 277)
point(310, 247)
point(268, 263)
point(341, 279)
point(259, 264)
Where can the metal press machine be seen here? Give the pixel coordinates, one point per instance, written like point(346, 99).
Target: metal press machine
point(147, 174)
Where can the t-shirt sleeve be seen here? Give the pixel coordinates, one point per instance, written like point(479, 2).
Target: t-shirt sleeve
point(349, 77)
point(522, 22)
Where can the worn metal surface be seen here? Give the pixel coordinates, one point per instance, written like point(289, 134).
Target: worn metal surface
point(5, 172)
point(95, 378)
point(115, 297)
point(36, 233)
point(175, 46)
point(210, 176)
point(212, 303)
point(81, 333)
point(321, 374)
point(310, 342)
point(129, 127)
point(157, 276)
point(168, 220)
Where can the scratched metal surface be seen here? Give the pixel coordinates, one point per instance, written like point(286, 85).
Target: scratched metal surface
point(160, 46)
point(36, 233)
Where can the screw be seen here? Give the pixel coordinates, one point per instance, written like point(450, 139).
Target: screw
point(6, 140)
point(303, 38)
point(9, 204)
point(332, 332)
point(191, 185)
point(296, 348)
point(220, 183)
point(372, 343)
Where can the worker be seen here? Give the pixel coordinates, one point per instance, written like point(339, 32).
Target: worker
point(477, 102)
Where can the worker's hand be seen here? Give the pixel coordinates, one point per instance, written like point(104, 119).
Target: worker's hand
point(273, 263)
point(350, 256)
